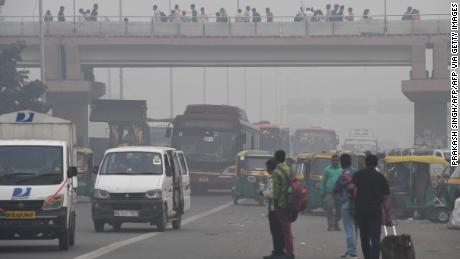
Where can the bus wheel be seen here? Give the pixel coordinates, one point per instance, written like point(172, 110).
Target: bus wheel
point(235, 200)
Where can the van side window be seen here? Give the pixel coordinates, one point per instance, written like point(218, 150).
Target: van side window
point(183, 164)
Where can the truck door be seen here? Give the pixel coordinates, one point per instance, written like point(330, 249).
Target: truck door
point(185, 180)
point(178, 197)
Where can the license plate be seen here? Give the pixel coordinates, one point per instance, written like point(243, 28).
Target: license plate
point(203, 179)
point(20, 214)
point(126, 213)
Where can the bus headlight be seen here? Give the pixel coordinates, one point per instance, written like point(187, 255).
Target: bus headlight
point(154, 194)
point(53, 202)
point(101, 194)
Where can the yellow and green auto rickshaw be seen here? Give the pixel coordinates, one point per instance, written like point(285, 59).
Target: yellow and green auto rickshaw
point(251, 175)
point(311, 166)
point(453, 187)
point(416, 187)
point(85, 175)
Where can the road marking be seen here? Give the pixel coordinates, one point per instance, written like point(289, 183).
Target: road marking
point(117, 245)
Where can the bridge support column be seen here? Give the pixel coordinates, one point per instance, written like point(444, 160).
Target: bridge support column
point(70, 88)
point(429, 95)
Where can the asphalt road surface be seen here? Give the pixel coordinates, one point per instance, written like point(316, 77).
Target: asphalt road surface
point(216, 229)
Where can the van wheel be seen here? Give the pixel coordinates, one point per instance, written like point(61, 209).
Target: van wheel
point(72, 231)
point(441, 215)
point(176, 224)
point(64, 240)
point(163, 219)
point(98, 225)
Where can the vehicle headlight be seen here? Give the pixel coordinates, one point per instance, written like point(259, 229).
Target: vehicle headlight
point(154, 194)
point(53, 202)
point(101, 194)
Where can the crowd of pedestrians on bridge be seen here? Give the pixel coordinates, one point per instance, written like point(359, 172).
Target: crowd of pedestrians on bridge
point(332, 13)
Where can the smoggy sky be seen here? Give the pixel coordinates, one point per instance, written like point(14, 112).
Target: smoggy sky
point(356, 84)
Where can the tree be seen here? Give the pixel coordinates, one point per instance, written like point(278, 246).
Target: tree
point(17, 92)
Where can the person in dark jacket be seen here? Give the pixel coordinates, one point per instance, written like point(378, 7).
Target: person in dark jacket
point(371, 190)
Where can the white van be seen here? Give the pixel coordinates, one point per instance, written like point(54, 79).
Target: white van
point(141, 184)
point(37, 178)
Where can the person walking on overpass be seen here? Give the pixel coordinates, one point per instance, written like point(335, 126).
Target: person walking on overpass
point(330, 199)
point(247, 14)
point(61, 15)
point(48, 17)
point(344, 188)
point(203, 16)
point(281, 174)
point(194, 13)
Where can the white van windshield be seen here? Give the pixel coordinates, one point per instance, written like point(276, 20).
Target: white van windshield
point(31, 165)
point(132, 163)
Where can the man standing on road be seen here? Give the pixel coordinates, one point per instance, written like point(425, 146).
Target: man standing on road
point(343, 187)
point(372, 191)
point(273, 220)
point(281, 175)
point(331, 199)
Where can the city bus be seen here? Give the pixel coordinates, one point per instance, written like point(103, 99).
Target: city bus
point(211, 136)
point(312, 140)
point(273, 136)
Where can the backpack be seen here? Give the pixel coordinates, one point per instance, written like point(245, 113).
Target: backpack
point(163, 17)
point(296, 196)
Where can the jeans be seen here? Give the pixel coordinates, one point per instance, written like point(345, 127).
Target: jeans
point(332, 206)
point(286, 227)
point(277, 233)
point(350, 231)
point(369, 231)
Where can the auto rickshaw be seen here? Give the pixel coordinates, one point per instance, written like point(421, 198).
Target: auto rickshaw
point(251, 175)
point(84, 168)
point(416, 187)
point(453, 187)
point(312, 166)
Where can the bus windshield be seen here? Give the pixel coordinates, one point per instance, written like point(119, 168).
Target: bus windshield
point(205, 145)
point(31, 165)
point(315, 141)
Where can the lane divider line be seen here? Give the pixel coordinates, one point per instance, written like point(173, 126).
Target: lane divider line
point(117, 245)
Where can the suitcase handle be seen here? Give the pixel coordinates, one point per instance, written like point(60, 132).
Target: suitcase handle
point(386, 232)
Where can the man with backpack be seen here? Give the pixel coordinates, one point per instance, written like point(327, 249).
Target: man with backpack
point(344, 187)
point(281, 176)
point(273, 220)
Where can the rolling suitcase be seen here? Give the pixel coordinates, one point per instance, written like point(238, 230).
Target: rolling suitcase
point(397, 246)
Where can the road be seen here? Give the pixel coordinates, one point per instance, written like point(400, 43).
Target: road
point(216, 229)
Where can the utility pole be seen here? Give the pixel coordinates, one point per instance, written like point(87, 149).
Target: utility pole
point(245, 84)
point(228, 85)
point(109, 83)
point(171, 92)
point(204, 85)
point(120, 16)
point(261, 113)
point(385, 22)
point(74, 17)
point(276, 95)
point(42, 43)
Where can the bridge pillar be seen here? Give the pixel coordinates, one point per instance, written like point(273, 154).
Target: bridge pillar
point(70, 87)
point(429, 95)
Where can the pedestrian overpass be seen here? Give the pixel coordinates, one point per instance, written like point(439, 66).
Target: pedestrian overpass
point(73, 49)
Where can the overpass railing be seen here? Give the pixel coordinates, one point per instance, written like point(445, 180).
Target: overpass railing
point(281, 27)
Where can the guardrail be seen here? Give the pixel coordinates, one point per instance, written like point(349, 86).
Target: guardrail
point(147, 27)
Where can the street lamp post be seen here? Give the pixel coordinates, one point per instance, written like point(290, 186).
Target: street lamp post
point(385, 22)
point(120, 17)
point(42, 42)
point(228, 85)
point(204, 85)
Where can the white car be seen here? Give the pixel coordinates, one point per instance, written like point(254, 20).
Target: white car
point(141, 184)
point(454, 220)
